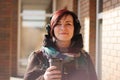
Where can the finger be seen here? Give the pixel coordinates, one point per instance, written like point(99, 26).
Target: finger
point(55, 72)
point(51, 68)
point(50, 76)
point(56, 76)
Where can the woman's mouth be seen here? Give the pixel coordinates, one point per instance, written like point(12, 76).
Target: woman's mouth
point(64, 33)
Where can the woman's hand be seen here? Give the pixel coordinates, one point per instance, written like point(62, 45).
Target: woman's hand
point(52, 73)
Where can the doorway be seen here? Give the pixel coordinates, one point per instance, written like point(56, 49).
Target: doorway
point(33, 17)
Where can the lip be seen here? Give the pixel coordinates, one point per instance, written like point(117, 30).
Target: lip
point(64, 33)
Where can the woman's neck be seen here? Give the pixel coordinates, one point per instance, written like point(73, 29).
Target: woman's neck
point(63, 44)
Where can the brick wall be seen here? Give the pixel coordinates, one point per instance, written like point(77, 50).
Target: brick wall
point(88, 23)
point(84, 13)
point(110, 35)
point(111, 40)
point(14, 23)
point(8, 32)
point(71, 5)
point(75, 6)
point(62, 4)
point(84, 20)
point(92, 35)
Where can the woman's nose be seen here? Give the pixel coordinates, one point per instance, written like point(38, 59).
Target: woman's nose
point(62, 26)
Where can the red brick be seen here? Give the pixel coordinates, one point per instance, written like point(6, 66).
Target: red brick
point(8, 38)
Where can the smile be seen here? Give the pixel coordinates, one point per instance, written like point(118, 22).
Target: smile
point(64, 33)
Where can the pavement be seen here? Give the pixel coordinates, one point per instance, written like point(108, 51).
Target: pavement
point(15, 78)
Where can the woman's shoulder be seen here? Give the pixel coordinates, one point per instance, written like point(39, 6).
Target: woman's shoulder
point(84, 53)
point(37, 54)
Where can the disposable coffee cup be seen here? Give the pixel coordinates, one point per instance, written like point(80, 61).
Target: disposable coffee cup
point(56, 62)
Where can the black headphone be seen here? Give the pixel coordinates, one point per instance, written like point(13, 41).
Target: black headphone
point(77, 25)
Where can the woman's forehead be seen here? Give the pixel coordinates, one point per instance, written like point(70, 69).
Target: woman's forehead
point(66, 18)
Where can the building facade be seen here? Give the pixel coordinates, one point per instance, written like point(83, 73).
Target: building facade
point(100, 20)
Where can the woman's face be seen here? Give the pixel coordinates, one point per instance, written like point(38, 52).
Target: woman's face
point(64, 29)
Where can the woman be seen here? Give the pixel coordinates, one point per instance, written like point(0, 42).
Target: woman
point(63, 42)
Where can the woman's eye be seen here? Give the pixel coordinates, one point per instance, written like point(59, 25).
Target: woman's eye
point(68, 24)
point(58, 24)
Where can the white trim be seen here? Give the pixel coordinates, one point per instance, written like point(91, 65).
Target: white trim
point(45, 15)
point(98, 42)
point(98, 51)
point(99, 16)
point(97, 54)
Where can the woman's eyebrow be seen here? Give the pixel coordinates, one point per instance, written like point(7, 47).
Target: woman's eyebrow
point(68, 21)
point(65, 21)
